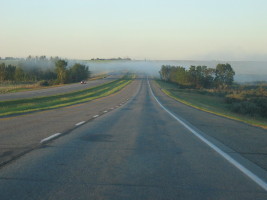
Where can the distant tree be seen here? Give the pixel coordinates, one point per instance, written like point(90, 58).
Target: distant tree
point(29, 57)
point(224, 75)
point(209, 74)
point(79, 72)
point(165, 72)
point(201, 76)
point(49, 75)
point(2, 72)
point(180, 76)
point(61, 70)
point(193, 76)
point(42, 57)
point(19, 74)
point(10, 72)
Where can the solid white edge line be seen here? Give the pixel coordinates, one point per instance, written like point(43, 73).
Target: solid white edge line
point(80, 123)
point(105, 111)
point(95, 116)
point(243, 169)
point(50, 137)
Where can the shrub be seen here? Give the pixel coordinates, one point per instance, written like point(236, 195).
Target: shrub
point(47, 83)
point(246, 108)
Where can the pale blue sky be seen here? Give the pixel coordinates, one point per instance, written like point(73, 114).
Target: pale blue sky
point(151, 29)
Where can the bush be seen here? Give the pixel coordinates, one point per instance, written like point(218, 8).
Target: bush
point(246, 108)
point(45, 83)
point(262, 103)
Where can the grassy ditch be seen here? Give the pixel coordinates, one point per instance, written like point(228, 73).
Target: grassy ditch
point(50, 102)
point(208, 102)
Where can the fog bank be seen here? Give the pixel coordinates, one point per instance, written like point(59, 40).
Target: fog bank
point(246, 71)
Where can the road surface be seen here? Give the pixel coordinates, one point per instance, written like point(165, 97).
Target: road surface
point(56, 90)
point(138, 151)
point(22, 133)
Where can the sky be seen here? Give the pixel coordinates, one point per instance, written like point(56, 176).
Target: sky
point(139, 29)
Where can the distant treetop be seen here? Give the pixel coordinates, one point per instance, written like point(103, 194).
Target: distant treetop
point(111, 58)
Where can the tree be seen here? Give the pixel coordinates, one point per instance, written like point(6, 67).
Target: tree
point(209, 74)
point(199, 76)
point(61, 70)
point(19, 74)
point(79, 72)
point(2, 72)
point(165, 72)
point(224, 75)
point(49, 75)
point(10, 72)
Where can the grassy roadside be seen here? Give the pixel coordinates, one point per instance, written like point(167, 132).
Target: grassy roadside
point(6, 88)
point(50, 102)
point(208, 103)
point(12, 88)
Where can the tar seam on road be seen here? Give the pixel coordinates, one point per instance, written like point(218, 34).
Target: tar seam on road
point(50, 137)
point(80, 123)
point(239, 166)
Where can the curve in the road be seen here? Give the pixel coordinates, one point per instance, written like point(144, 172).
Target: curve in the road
point(136, 152)
point(230, 159)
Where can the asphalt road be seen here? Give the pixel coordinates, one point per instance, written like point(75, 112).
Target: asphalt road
point(136, 151)
point(247, 140)
point(22, 133)
point(56, 90)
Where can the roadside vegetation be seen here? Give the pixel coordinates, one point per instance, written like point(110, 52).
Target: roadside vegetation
point(213, 90)
point(50, 102)
point(12, 87)
point(44, 71)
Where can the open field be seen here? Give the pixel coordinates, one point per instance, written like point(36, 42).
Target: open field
point(56, 101)
point(209, 103)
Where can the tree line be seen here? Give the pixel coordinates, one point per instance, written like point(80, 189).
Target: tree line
point(58, 74)
point(199, 76)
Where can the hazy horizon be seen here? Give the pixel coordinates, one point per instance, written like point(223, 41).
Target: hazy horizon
point(151, 29)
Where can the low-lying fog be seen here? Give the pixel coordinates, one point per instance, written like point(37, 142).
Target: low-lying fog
point(246, 71)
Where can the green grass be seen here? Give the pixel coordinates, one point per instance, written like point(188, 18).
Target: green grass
point(50, 102)
point(208, 103)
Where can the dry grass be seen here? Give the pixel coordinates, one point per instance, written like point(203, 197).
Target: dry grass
point(208, 103)
point(17, 87)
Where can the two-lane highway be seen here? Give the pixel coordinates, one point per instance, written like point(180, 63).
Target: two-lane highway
point(19, 134)
point(138, 151)
point(57, 90)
